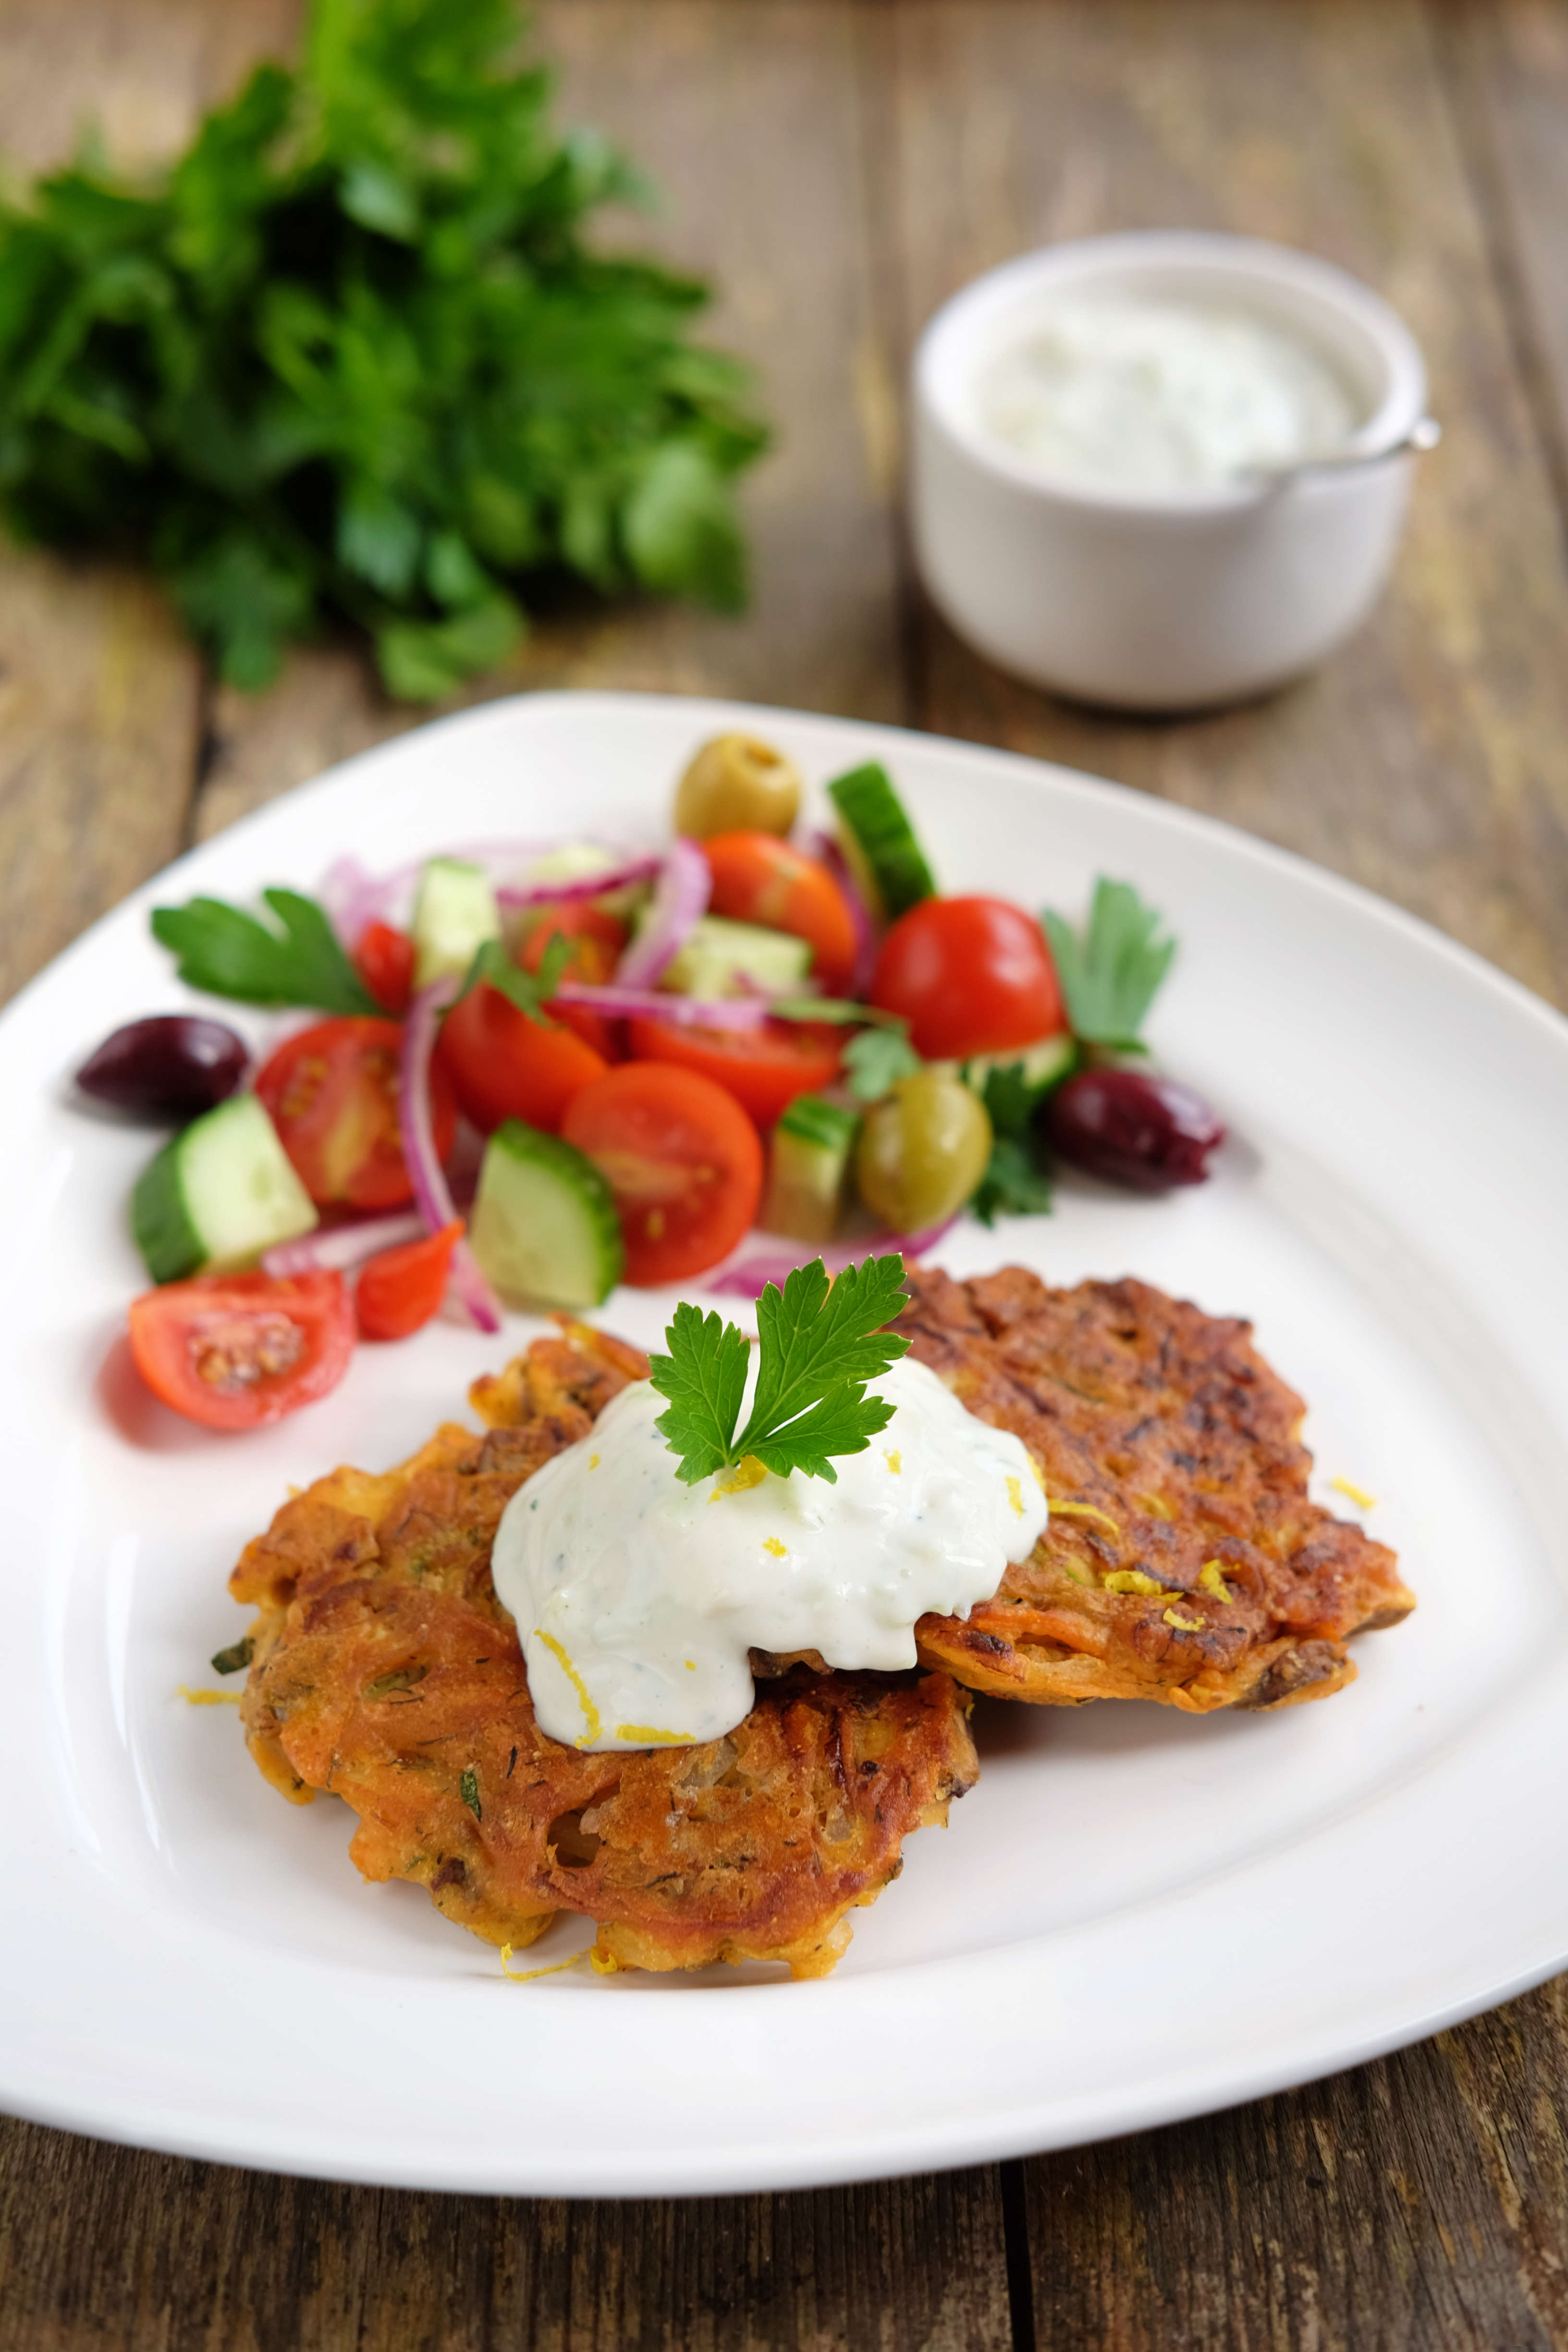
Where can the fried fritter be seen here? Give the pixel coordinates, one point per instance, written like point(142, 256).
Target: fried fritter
point(386, 1672)
point(1183, 1561)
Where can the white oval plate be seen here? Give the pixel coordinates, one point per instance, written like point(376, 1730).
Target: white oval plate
point(1136, 1916)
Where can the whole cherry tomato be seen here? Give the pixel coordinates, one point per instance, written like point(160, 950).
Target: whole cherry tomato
point(970, 976)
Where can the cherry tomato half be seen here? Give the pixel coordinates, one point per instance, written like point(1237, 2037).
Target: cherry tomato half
point(758, 878)
point(597, 940)
point(238, 1350)
point(970, 976)
point(682, 1158)
point(400, 1289)
point(333, 1094)
point(385, 962)
point(763, 1068)
point(504, 1066)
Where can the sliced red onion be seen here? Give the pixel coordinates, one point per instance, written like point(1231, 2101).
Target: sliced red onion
point(824, 846)
point(432, 1196)
point(752, 1276)
point(697, 1012)
point(341, 1247)
point(585, 886)
point(389, 896)
point(680, 896)
point(348, 891)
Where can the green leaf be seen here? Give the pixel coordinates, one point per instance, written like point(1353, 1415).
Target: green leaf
point(1012, 1185)
point(468, 1790)
point(422, 661)
point(876, 1060)
point(229, 953)
point(233, 1660)
point(1111, 978)
point(682, 532)
point(379, 538)
point(704, 1377)
point(817, 1347)
point(529, 991)
point(380, 199)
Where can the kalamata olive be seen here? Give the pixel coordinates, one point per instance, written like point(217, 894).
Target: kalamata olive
point(922, 1151)
point(737, 783)
point(171, 1066)
point(1133, 1128)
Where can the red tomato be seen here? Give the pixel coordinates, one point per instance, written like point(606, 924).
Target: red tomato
point(682, 1158)
point(385, 962)
point(758, 878)
point(332, 1095)
point(400, 1289)
point(597, 940)
point(504, 1066)
point(970, 976)
point(764, 1068)
point(237, 1350)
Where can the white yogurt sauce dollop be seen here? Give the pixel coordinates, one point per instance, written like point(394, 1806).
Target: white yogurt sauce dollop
point(637, 1599)
point(1152, 392)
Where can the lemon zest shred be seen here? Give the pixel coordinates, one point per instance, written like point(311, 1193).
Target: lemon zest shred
point(779, 1551)
point(895, 1462)
point(604, 1964)
point(1185, 1624)
point(691, 1665)
point(1212, 1580)
point(747, 1472)
point(1016, 1494)
point(590, 1712)
point(531, 1976)
point(1156, 1506)
point(1083, 1511)
point(1132, 1579)
point(645, 1736)
point(593, 1461)
point(1357, 1495)
point(207, 1697)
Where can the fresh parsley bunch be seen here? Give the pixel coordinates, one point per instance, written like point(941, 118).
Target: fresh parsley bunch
point(818, 1347)
point(352, 357)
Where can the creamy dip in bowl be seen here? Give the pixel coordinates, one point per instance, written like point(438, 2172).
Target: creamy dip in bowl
point(1102, 485)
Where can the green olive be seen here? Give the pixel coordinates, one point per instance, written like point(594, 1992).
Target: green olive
point(922, 1151)
point(737, 784)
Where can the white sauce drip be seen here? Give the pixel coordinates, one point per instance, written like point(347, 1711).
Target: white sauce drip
point(637, 1598)
point(1147, 393)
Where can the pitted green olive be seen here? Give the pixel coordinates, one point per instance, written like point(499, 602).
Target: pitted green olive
point(737, 783)
point(922, 1151)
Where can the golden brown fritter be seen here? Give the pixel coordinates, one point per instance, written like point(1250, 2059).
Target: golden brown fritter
point(386, 1672)
point(1183, 1561)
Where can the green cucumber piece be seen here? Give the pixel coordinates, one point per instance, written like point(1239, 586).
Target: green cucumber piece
point(217, 1195)
point(545, 1227)
point(809, 1167)
point(717, 954)
point(879, 842)
point(455, 913)
point(1041, 1066)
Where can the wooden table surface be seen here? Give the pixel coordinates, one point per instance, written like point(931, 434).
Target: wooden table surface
point(842, 165)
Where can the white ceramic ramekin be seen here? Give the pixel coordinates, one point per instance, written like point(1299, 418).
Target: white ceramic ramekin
point(1193, 597)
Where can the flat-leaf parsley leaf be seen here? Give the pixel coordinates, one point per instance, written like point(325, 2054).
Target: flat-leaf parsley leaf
point(227, 952)
point(818, 1347)
point(1111, 978)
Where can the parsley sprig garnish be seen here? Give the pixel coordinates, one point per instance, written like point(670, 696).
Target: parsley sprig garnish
point(531, 992)
point(1110, 977)
point(227, 952)
point(818, 1344)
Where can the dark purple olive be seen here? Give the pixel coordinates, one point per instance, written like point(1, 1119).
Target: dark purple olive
point(173, 1067)
point(1135, 1128)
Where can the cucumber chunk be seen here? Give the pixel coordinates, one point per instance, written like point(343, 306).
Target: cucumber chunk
point(217, 1195)
point(879, 842)
point(455, 913)
point(1042, 1064)
point(809, 1167)
point(717, 955)
point(545, 1227)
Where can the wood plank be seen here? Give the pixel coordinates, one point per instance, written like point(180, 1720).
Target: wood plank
point(119, 2252)
point(775, 218)
point(1425, 760)
point(1419, 2202)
